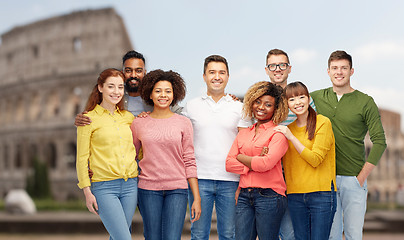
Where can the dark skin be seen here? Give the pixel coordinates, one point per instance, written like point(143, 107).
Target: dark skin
point(82, 120)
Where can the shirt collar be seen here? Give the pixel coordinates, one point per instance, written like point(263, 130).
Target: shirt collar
point(226, 97)
point(266, 125)
point(100, 110)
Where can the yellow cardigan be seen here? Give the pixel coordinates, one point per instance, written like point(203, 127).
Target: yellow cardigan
point(314, 169)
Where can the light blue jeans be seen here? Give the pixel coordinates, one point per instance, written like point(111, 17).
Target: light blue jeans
point(116, 201)
point(351, 208)
point(163, 213)
point(220, 193)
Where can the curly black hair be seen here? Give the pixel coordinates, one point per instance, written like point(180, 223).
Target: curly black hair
point(149, 81)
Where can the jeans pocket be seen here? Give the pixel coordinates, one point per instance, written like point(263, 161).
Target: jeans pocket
point(95, 186)
point(268, 192)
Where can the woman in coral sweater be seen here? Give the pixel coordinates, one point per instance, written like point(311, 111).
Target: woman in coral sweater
point(262, 196)
point(309, 166)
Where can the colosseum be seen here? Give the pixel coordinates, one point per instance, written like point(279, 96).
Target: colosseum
point(47, 69)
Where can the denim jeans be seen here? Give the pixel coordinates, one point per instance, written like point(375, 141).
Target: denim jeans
point(312, 214)
point(163, 213)
point(265, 206)
point(285, 231)
point(351, 208)
point(116, 201)
point(220, 193)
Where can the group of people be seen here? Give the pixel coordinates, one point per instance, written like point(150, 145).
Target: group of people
point(284, 164)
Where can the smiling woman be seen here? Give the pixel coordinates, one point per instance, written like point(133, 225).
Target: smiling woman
point(111, 192)
point(309, 166)
point(262, 197)
point(168, 163)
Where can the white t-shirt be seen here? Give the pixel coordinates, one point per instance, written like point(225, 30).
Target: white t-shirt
point(215, 128)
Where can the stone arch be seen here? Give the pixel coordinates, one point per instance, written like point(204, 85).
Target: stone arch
point(51, 155)
point(35, 107)
point(18, 156)
point(53, 104)
point(73, 107)
point(71, 152)
point(33, 153)
point(6, 155)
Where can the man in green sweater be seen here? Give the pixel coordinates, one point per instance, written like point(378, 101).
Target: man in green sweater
point(352, 114)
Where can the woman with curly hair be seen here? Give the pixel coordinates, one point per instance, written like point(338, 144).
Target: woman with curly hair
point(106, 146)
point(168, 163)
point(262, 197)
point(309, 166)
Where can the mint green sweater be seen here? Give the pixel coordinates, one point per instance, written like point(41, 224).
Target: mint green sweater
point(351, 118)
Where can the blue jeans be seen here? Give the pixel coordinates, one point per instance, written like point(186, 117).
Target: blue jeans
point(163, 213)
point(265, 206)
point(312, 214)
point(285, 231)
point(351, 208)
point(116, 201)
point(220, 193)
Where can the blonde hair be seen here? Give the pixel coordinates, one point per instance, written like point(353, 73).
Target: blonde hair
point(260, 89)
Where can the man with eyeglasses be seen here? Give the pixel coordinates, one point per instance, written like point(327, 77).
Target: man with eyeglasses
point(278, 68)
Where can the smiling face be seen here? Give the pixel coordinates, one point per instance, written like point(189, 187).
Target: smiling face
point(112, 92)
point(162, 94)
point(278, 77)
point(263, 108)
point(340, 73)
point(299, 105)
point(134, 71)
point(216, 78)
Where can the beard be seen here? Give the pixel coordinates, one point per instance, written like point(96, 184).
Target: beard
point(130, 87)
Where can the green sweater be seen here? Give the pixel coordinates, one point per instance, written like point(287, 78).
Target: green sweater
point(351, 117)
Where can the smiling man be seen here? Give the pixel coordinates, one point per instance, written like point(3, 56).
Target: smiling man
point(215, 117)
point(352, 114)
point(134, 69)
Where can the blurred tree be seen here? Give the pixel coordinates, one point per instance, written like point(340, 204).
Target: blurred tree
point(38, 185)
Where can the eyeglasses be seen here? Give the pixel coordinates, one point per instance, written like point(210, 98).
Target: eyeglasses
point(282, 66)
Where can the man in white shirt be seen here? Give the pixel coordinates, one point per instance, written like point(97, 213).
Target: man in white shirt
point(215, 118)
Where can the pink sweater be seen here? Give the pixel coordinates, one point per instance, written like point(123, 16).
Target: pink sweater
point(168, 152)
point(266, 170)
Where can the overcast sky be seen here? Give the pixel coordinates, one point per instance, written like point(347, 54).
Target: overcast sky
point(179, 34)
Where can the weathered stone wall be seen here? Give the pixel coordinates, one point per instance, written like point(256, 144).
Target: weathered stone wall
point(47, 69)
point(384, 181)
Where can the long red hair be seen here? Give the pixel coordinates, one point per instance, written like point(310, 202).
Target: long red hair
point(96, 96)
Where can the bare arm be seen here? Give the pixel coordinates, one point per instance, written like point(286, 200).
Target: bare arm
point(91, 202)
point(196, 205)
point(244, 159)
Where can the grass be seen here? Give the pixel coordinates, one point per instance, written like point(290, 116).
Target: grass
point(51, 205)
